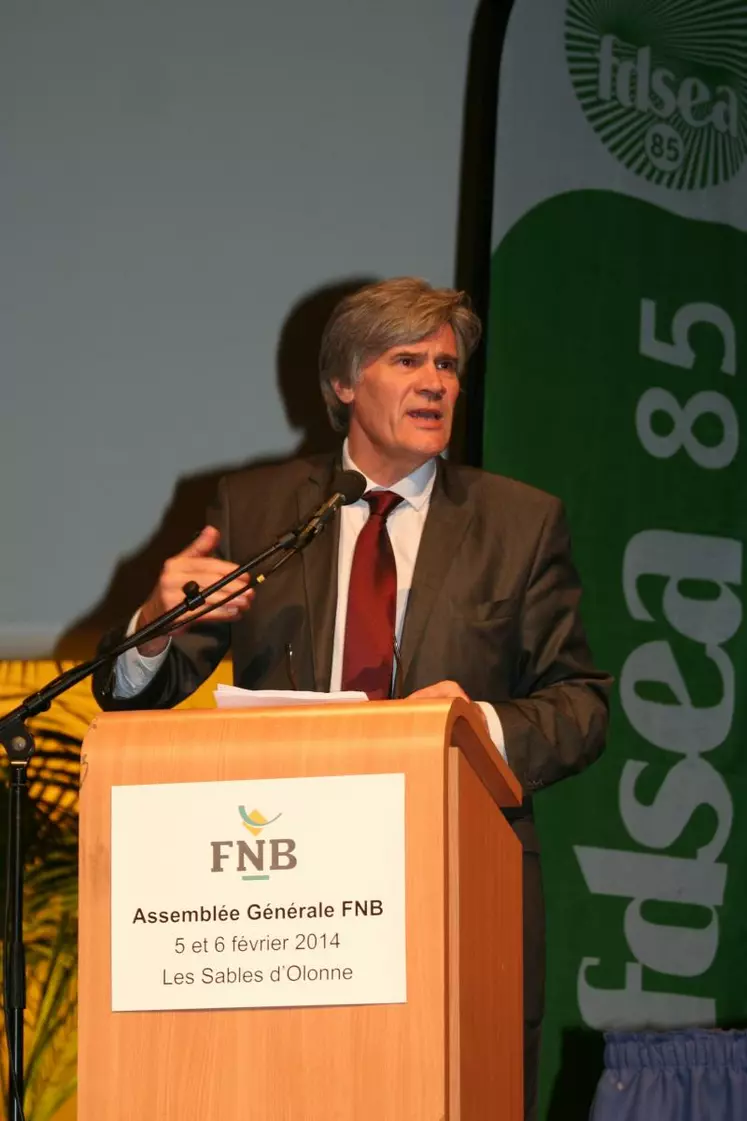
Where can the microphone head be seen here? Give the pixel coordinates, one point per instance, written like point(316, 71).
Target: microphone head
point(350, 484)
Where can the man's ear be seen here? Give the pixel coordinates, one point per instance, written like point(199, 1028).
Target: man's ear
point(344, 392)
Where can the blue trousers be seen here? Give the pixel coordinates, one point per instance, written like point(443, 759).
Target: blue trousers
point(693, 1075)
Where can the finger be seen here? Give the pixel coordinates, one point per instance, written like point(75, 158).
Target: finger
point(440, 690)
point(454, 689)
point(449, 689)
point(203, 570)
point(175, 597)
point(202, 546)
point(236, 587)
point(219, 609)
point(237, 597)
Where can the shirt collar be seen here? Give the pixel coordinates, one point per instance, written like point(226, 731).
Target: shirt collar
point(415, 488)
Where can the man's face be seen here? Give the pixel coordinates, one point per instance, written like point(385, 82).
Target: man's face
point(403, 406)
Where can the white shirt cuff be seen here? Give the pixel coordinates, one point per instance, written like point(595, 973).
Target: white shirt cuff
point(495, 728)
point(132, 670)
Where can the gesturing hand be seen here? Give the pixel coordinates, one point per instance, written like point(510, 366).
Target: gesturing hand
point(194, 563)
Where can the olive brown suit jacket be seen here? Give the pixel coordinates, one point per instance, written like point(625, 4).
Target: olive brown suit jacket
point(494, 605)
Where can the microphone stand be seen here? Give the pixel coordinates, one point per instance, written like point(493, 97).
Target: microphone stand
point(18, 742)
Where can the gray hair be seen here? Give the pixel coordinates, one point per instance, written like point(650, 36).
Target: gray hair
point(380, 316)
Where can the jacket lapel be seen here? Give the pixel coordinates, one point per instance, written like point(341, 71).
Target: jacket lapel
point(320, 572)
point(445, 525)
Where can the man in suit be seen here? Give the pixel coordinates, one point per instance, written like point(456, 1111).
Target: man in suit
point(468, 575)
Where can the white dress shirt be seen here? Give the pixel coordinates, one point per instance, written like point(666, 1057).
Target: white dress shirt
point(405, 525)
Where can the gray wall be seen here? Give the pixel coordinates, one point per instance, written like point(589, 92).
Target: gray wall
point(178, 179)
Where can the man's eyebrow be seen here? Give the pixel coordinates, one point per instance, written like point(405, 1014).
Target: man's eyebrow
point(403, 352)
point(421, 355)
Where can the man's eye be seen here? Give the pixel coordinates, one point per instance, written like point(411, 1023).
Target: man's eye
point(448, 364)
point(405, 360)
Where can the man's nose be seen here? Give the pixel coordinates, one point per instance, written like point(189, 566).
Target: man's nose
point(431, 380)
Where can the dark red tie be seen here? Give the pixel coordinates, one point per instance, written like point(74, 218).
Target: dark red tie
point(372, 603)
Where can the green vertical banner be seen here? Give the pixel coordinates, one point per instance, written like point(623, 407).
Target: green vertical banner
point(617, 379)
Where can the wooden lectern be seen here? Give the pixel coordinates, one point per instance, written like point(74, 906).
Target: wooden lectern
point(454, 1050)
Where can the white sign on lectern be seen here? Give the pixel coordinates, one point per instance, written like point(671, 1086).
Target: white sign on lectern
point(259, 893)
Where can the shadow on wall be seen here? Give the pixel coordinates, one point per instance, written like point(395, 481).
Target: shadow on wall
point(298, 386)
point(298, 348)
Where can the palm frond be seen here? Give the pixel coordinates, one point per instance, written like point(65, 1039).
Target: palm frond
point(50, 846)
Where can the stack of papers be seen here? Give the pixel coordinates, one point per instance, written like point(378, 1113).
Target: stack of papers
point(230, 696)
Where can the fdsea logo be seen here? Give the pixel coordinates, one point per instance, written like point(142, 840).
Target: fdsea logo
point(254, 859)
point(664, 84)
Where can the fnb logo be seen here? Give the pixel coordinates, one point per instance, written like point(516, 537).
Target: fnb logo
point(256, 821)
point(262, 855)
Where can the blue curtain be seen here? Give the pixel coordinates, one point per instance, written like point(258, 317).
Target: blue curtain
point(693, 1075)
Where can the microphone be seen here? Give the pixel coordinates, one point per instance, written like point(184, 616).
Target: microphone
point(347, 487)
